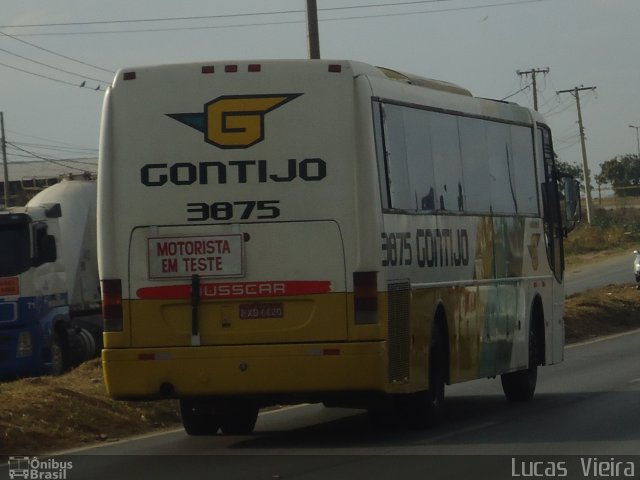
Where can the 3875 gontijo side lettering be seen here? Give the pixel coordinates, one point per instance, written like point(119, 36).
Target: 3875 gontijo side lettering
point(426, 247)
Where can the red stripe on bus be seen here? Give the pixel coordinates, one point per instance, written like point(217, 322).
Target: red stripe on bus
point(237, 290)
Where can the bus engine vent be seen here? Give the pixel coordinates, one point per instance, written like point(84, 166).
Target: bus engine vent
point(399, 295)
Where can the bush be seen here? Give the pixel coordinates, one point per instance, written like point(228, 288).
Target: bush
point(609, 229)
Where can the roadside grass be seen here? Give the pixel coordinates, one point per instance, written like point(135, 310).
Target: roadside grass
point(610, 230)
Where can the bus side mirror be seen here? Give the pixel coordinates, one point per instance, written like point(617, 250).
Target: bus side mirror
point(572, 207)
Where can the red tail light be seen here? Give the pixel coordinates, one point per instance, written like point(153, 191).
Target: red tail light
point(112, 305)
point(365, 297)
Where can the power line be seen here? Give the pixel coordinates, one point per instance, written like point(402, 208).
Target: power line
point(55, 53)
point(230, 15)
point(57, 148)
point(282, 22)
point(53, 68)
point(55, 162)
point(51, 140)
point(516, 92)
point(98, 88)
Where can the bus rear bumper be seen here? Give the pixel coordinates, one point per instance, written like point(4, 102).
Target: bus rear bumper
point(260, 370)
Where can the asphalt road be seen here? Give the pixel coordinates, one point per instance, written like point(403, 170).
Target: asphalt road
point(587, 406)
point(611, 270)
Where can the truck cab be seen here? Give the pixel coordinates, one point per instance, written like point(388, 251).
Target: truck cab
point(43, 327)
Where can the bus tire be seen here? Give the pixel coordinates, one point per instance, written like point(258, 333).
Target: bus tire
point(521, 385)
point(238, 417)
point(434, 396)
point(199, 418)
point(423, 409)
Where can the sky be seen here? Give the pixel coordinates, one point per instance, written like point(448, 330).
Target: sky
point(49, 49)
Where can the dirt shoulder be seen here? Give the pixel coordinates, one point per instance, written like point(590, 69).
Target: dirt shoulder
point(602, 311)
point(45, 414)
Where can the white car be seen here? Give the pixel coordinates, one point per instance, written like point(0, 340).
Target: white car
point(636, 266)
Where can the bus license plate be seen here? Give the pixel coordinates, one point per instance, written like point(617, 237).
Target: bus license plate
point(261, 310)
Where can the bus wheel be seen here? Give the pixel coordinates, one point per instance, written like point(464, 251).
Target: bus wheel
point(521, 385)
point(422, 409)
point(432, 412)
point(238, 417)
point(199, 417)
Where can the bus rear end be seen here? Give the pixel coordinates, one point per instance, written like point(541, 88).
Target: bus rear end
point(227, 205)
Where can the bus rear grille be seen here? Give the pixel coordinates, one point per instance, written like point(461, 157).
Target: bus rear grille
point(399, 331)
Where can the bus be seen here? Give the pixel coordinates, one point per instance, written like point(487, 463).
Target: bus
point(285, 231)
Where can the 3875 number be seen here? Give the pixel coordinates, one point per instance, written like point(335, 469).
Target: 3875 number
point(221, 211)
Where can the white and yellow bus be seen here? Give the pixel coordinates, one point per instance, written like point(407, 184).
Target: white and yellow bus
point(323, 231)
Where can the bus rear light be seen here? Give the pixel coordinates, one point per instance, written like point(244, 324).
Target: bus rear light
point(112, 305)
point(335, 68)
point(208, 69)
point(254, 67)
point(231, 68)
point(365, 297)
point(129, 76)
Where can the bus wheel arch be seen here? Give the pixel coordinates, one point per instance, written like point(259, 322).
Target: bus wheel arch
point(439, 367)
point(537, 323)
point(440, 334)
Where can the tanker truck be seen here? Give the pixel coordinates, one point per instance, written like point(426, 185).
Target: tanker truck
point(50, 316)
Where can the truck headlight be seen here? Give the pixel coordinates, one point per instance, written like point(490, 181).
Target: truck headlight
point(25, 347)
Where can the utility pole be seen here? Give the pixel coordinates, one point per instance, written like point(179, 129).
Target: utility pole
point(312, 29)
point(637, 137)
point(533, 72)
point(4, 162)
point(587, 175)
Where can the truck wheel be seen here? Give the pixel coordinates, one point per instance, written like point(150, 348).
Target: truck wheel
point(521, 385)
point(238, 417)
point(199, 417)
point(58, 355)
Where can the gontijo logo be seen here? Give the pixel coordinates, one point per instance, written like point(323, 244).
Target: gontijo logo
point(234, 121)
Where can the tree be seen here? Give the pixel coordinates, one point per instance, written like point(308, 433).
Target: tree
point(623, 173)
point(570, 169)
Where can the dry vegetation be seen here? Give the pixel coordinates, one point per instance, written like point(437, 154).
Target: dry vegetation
point(603, 311)
point(611, 229)
point(42, 414)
